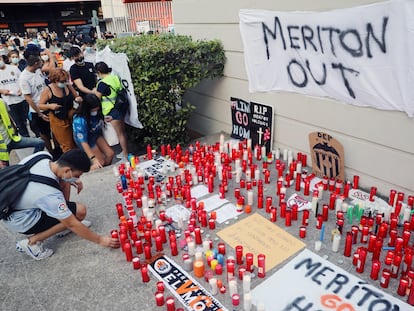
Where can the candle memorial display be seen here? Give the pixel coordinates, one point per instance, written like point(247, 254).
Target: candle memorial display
point(360, 229)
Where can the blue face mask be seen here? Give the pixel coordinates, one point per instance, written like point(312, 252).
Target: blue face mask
point(61, 85)
point(71, 179)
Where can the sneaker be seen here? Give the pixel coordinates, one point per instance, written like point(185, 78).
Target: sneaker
point(65, 232)
point(35, 251)
point(19, 248)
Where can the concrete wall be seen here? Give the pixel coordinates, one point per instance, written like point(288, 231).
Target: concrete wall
point(378, 144)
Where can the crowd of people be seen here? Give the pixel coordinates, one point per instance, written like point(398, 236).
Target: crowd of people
point(67, 99)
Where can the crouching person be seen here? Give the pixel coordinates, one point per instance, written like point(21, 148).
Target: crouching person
point(43, 211)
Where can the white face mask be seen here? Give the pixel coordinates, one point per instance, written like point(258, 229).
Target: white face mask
point(61, 85)
point(45, 58)
point(94, 113)
point(1, 64)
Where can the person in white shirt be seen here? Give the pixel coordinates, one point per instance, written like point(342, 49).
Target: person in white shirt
point(12, 96)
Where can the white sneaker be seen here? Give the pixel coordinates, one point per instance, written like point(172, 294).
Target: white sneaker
point(35, 251)
point(65, 232)
point(120, 156)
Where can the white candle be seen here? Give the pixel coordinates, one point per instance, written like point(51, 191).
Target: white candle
point(246, 282)
point(247, 301)
point(232, 286)
point(285, 154)
point(220, 172)
point(318, 245)
point(344, 207)
point(144, 200)
point(335, 243)
point(320, 192)
point(198, 256)
point(115, 170)
point(250, 197)
point(249, 143)
point(245, 154)
point(248, 175)
point(206, 245)
point(407, 213)
point(191, 248)
point(213, 284)
point(238, 175)
point(299, 167)
point(257, 174)
point(149, 215)
point(188, 264)
point(277, 154)
point(263, 151)
point(260, 307)
point(237, 164)
point(338, 204)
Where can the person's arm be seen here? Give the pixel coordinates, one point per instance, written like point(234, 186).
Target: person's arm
point(94, 160)
point(75, 93)
point(79, 84)
point(73, 224)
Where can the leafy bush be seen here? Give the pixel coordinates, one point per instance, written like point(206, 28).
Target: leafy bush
point(163, 67)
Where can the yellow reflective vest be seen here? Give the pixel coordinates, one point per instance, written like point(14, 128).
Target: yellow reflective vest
point(11, 131)
point(108, 102)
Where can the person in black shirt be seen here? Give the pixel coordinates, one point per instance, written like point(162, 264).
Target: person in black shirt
point(82, 73)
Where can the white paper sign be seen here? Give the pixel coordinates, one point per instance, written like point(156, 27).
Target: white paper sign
point(309, 282)
point(361, 55)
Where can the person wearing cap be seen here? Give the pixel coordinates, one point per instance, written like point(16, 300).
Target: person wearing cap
point(44, 211)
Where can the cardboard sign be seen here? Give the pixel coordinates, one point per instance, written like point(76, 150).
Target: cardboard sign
point(261, 126)
point(327, 156)
point(190, 293)
point(252, 120)
point(240, 117)
point(309, 282)
point(258, 235)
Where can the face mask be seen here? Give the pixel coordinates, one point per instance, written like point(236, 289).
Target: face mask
point(71, 179)
point(89, 49)
point(1, 64)
point(94, 113)
point(79, 60)
point(45, 58)
point(15, 60)
point(61, 85)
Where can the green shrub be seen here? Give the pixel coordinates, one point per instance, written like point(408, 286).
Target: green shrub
point(163, 67)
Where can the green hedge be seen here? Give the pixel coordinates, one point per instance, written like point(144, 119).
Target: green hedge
point(163, 68)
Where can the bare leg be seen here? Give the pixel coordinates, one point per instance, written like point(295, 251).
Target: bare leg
point(104, 149)
point(119, 127)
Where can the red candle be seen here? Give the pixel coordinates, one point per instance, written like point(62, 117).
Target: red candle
point(235, 299)
point(306, 188)
point(410, 299)
point(356, 182)
point(170, 304)
point(385, 278)
point(372, 194)
point(361, 260)
point(249, 262)
point(376, 266)
point(128, 251)
point(364, 235)
point(174, 249)
point(160, 286)
point(298, 180)
point(147, 251)
point(273, 214)
point(158, 244)
point(211, 224)
point(261, 262)
point(325, 209)
point(348, 245)
point(288, 218)
point(144, 273)
point(221, 248)
point(302, 232)
point(239, 254)
point(114, 234)
point(138, 246)
point(402, 287)
point(305, 217)
point(197, 233)
point(136, 264)
point(119, 210)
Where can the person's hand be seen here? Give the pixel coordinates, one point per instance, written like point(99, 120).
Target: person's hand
point(78, 185)
point(108, 118)
point(96, 164)
point(54, 106)
point(78, 99)
point(108, 241)
point(44, 117)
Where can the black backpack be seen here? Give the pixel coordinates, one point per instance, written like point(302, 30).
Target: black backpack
point(14, 180)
